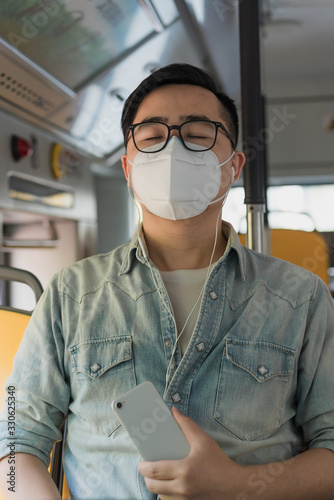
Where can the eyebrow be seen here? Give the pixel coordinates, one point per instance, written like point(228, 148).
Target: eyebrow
point(154, 119)
point(194, 117)
point(183, 118)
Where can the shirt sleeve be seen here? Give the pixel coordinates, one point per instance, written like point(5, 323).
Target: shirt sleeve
point(37, 391)
point(315, 393)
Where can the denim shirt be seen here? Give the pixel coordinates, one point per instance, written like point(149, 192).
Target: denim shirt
point(257, 374)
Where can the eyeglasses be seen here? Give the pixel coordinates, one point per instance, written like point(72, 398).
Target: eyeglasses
point(196, 135)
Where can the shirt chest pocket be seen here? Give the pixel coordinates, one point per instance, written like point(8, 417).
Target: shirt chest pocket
point(252, 393)
point(102, 369)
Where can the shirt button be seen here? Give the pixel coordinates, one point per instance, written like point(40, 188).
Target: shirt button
point(200, 347)
point(213, 295)
point(176, 397)
point(95, 367)
point(168, 343)
point(262, 369)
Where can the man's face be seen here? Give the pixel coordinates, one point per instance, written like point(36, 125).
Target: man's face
point(174, 104)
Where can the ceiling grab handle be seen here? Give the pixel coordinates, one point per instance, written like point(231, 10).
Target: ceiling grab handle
point(252, 123)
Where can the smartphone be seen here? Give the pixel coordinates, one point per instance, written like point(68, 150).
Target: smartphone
point(150, 424)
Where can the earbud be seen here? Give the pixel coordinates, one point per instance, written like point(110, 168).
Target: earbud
point(233, 174)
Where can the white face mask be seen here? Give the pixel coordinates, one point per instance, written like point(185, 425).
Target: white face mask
point(176, 183)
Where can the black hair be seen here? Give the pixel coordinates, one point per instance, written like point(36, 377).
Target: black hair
point(180, 74)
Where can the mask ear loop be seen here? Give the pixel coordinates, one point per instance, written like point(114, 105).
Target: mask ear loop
point(137, 199)
point(224, 196)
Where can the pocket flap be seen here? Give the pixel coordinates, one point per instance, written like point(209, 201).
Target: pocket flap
point(94, 357)
point(263, 360)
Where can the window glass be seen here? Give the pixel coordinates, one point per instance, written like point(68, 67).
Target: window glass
point(291, 207)
point(74, 40)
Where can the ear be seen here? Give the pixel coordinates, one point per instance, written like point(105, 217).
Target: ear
point(125, 166)
point(238, 162)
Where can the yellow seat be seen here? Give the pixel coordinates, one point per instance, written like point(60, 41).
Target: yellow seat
point(305, 249)
point(13, 323)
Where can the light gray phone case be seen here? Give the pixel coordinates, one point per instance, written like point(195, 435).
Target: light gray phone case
point(150, 424)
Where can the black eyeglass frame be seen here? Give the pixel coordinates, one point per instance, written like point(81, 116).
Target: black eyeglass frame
point(178, 128)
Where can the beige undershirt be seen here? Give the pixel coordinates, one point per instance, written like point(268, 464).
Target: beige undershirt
point(184, 287)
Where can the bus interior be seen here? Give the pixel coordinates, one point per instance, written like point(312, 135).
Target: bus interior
point(66, 68)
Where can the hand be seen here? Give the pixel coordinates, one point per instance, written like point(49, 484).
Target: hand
point(207, 472)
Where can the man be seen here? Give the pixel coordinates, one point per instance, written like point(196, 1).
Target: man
point(239, 342)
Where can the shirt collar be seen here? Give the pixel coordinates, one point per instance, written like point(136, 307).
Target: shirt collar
point(134, 249)
point(233, 242)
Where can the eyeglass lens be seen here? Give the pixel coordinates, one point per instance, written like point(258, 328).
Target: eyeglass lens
point(199, 133)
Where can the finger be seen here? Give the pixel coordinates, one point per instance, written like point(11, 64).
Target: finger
point(160, 470)
point(190, 429)
point(161, 487)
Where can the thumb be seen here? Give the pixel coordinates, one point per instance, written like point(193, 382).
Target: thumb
point(190, 429)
